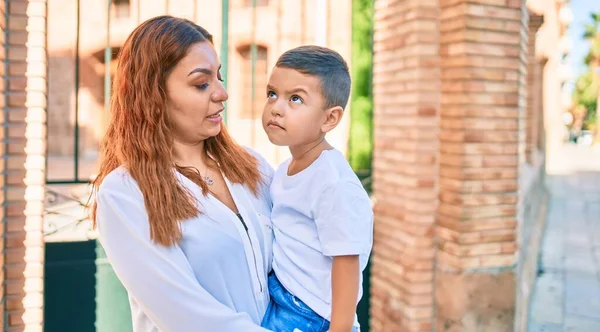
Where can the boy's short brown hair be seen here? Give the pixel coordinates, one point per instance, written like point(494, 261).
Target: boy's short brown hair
point(327, 65)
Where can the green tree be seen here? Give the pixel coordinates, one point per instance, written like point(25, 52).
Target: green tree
point(361, 125)
point(592, 34)
point(585, 96)
point(587, 86)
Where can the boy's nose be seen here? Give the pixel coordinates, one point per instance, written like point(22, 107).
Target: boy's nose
point(276, 110)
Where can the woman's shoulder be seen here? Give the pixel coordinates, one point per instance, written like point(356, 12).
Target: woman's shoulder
point(119, 181)
point(263, 165)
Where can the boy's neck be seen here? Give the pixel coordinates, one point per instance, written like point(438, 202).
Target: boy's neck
point(303, 156)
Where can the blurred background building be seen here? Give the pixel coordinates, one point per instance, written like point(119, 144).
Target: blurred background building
point(257, 35)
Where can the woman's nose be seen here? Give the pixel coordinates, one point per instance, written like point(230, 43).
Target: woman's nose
point(220, 95)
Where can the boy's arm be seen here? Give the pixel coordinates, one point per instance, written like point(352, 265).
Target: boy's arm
point(344, 284)
point(344, 220)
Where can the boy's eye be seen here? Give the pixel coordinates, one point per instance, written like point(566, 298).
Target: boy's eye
point(296, 99)
point(271, 94)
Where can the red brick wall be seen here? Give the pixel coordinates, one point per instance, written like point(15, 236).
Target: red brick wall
point(450, 108)
point(482, 71)
point(407, 93)
point(25, 131)
point(483, 49)
point(3, 84)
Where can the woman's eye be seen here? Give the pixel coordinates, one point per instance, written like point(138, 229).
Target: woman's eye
point(202, 87)
point(296, 99)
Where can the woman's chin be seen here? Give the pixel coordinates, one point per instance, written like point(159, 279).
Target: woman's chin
point(212, 132)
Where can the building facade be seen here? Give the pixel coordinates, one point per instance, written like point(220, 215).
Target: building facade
point(77, 63)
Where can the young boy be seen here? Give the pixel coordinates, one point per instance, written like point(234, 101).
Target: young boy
point(322, 216)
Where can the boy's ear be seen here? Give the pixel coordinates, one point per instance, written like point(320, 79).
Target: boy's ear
point(333, 117)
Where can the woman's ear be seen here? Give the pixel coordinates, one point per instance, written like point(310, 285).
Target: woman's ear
point(333, 118)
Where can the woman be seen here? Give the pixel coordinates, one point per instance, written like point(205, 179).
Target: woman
point(182, 211)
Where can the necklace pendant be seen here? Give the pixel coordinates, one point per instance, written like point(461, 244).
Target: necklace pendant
point(208, 181)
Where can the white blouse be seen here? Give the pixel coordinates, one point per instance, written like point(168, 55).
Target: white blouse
point(214, 280)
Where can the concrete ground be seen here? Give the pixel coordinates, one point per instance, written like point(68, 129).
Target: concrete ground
point(567, 291)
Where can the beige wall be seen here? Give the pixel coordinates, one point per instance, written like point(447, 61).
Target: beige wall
point(543, 137)
point(550, 38)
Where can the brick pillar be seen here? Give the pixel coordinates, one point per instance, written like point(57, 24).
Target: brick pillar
point(24, 173)
point(483, 59)
point(534, 84)
point(407, 91)
point(3, 84)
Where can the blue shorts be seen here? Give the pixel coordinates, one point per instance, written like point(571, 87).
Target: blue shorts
point(287, 313)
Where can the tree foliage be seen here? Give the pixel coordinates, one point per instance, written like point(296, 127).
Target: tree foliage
point(585, 95)
point(361, 125)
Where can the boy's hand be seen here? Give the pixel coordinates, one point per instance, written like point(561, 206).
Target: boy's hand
point(344, 287)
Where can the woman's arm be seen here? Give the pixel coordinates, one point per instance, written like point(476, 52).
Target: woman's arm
point(159, 278)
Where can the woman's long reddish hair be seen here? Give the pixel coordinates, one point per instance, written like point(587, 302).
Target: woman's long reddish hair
point(139, 135)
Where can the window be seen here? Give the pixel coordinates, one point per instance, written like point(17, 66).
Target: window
point(122, 8)
point(252, 107)
point(258, 3)
point(248, 3)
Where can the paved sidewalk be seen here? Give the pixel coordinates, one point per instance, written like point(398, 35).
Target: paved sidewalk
point(567, 292)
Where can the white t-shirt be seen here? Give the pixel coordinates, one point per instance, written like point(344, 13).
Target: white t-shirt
point(320, 212)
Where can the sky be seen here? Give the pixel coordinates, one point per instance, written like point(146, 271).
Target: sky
point(581, 15)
